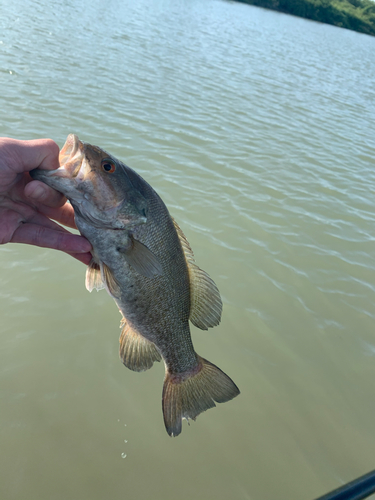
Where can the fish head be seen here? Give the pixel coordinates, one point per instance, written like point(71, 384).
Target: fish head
point(97, 185)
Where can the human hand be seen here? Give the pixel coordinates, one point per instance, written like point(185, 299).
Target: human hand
point(27, 206)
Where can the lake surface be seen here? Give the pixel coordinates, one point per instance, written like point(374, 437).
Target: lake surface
point(257, 129)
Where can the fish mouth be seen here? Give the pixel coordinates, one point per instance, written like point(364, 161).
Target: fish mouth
point(92, 199)
point(71, 157)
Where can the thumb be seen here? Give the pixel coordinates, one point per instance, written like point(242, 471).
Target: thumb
point(40, 193)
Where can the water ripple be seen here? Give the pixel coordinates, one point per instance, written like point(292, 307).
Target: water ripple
point(257, 130)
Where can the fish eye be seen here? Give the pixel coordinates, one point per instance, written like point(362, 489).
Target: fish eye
point(108, 166)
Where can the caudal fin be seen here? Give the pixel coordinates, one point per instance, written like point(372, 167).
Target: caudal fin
point(186, 395)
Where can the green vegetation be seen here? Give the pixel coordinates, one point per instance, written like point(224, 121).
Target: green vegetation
point(357, 15)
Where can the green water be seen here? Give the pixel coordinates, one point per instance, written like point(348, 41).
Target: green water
point(257, 129)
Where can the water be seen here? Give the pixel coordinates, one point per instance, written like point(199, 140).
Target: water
point(257, 129)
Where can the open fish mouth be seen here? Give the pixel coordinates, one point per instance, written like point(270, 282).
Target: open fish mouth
point(69, 175)
point(71, 157)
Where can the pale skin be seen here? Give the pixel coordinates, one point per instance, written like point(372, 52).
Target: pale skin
point(27, 207)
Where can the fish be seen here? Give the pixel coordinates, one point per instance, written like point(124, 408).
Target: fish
point(144, 261)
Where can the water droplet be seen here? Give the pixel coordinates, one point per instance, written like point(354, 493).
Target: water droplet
point(125, 440)
point(123, 455)
point(118, 420)
point(124, 425)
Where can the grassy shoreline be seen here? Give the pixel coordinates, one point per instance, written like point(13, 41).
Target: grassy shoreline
point(356, 15)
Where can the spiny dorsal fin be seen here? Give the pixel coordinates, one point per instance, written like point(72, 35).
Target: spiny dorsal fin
point(110, 281)
point(93, 277)
point(136, 352)
point(142, 259)
point(205, 300)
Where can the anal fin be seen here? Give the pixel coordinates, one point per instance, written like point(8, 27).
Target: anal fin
point(110, 281)
point(136, 352)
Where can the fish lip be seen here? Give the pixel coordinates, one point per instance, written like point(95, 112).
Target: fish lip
point(71, 157)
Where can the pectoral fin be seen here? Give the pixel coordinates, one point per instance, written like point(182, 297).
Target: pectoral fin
point(142, 259)
point(205, 300)
point(137, 353)
point(110, 281)
point(93, 277)
point(99, 276)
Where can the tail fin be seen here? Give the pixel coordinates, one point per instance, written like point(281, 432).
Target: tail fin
point(186, 395)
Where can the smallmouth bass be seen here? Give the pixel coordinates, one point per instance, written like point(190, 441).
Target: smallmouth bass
point(144, 261)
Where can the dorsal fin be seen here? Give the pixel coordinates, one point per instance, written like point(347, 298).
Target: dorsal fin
point(205, 300)
point(136, 352)
point(93, 277)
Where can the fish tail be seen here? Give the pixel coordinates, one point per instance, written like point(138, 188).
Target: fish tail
point(186, 395)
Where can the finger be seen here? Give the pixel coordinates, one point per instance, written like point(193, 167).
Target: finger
point(63, 215)
point(9, 220)
point(42, 153)
point(41, 236)
point(41, 220)
point(38, 192)
point(82, 257)
point(47, 153)
point(16, 215)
